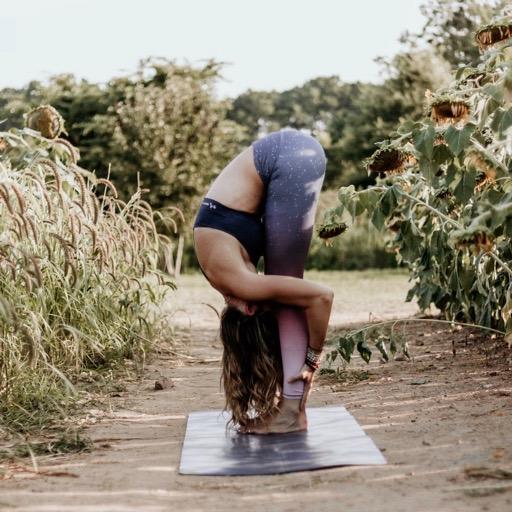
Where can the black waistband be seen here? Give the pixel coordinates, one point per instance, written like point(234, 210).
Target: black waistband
point(207, 200)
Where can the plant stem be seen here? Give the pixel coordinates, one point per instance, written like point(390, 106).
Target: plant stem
point(371, 326)
point(489, 155)
point(497, 259)
point(431, 208)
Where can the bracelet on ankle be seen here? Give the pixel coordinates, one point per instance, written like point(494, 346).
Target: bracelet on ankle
point(313, 358)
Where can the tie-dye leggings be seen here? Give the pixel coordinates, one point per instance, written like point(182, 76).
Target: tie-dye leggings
point(292, 166)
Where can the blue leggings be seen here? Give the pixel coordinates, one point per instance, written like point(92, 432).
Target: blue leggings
point(292, 166)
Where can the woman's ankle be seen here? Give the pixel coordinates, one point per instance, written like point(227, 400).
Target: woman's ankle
point(289, 418)
point(290, 403)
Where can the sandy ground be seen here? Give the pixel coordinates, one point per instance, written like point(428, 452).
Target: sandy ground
point(438, 435)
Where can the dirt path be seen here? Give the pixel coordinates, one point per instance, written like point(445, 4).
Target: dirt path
point(432, 434)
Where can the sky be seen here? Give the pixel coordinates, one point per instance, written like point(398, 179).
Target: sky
point(264, 44)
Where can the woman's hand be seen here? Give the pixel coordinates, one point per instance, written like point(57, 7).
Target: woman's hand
point(248, 308)
point(306, 374)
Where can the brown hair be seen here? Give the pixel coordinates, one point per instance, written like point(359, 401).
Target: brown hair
point(252, 369)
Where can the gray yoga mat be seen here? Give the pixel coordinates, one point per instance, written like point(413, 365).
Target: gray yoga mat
point(333, 438)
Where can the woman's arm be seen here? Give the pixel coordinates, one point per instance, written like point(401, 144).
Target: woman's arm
point(316, 299)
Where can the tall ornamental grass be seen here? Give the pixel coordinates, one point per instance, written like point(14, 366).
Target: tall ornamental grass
point(79, 272)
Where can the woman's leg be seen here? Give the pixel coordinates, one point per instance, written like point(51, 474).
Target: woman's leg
point(291, 201)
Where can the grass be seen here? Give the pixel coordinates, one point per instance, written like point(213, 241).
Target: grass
point(66, 442)
point(80, 279)
point(359, 296)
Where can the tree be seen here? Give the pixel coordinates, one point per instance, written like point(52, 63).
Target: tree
point(450, 26)
point(170, 128)
point(254, 110)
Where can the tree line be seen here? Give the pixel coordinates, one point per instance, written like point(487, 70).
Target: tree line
point(163, 127)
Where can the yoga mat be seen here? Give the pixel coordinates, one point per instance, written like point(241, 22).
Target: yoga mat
point(333, 438)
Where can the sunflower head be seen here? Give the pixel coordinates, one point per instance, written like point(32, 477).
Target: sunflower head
point(450, 111)
point(476, 241)
point(494, 33)
point(46, 120)
point(331, 229)
point(389, 160)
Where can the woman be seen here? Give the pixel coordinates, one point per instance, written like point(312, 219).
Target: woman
point(273, 327)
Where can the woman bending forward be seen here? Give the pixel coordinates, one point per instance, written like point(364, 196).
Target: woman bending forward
point(274, 324)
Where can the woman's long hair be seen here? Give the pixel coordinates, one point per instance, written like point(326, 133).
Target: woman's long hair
point(252, 370)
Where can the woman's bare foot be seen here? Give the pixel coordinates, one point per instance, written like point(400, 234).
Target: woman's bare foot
point(287, 419)
point(262, 419)
point(259, 421)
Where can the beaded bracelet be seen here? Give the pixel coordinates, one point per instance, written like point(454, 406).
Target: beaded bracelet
point(313, 358)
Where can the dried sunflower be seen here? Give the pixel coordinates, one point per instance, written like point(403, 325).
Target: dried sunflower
point(331, 229)
point(479, 240)
point(449, 111)
point(394, 224)
point(444, 193)
point(489, 35)
point(446, 107)
point(487, 173)
point(46, 120)
point(389, 161)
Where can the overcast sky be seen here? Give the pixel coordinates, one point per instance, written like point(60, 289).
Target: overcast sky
point(266, 44)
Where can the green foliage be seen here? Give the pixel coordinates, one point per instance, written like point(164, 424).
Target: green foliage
point(451, 211)
point(120, 124)
point(383, 335)
point(346, 118)
point(312, 105)
point(450, 26)
point(162, 121)
point(170, 128)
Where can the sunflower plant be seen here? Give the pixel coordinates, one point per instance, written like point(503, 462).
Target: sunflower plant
point(443, 194)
